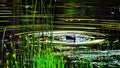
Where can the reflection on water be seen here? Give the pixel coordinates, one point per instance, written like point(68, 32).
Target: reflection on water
point(77, 48)
point(68, 37)
point(59, 34)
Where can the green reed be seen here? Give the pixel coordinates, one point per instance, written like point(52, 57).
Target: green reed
point(37, 54)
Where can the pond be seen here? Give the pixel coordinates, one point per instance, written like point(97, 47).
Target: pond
point(60, 49)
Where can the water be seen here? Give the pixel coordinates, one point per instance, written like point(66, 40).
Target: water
point(86, 49)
